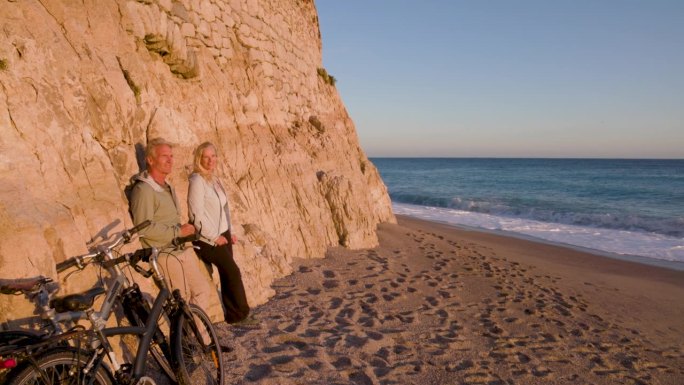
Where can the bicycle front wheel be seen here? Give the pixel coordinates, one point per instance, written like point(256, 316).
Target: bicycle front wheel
point(137, 311)
point(197, 350)
point(62, 367)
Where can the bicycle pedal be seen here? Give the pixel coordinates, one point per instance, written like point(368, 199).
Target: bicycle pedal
point(144, 380)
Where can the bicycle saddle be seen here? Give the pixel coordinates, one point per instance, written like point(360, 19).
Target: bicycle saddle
point(76, 302)
point(13, 286)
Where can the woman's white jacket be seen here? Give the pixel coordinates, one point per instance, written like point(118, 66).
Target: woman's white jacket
point(208, 207)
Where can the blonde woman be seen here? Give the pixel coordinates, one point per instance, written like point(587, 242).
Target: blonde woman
point(209, 213)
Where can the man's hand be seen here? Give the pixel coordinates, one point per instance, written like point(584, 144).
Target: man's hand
point(187, 229)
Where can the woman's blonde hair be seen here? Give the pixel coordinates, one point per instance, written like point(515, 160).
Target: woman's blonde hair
point(197, 162)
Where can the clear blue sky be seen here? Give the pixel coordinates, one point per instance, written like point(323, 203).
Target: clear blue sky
point(545, 78)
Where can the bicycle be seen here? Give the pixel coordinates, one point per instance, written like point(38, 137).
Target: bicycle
point(56, 323)
point(18, 346)
point(188, 340)
point(195, 347)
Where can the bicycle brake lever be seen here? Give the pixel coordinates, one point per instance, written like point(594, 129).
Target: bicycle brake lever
point(80, 266)
point(143, 272)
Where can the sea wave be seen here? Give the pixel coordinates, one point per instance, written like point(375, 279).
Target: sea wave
point(624, 242)
point(672, 227)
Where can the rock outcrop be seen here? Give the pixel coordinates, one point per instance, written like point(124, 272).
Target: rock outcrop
point(86, 84)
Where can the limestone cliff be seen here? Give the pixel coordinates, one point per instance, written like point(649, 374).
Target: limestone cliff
point(86, 83)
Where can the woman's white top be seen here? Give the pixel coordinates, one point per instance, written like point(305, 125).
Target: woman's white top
point(208, 207)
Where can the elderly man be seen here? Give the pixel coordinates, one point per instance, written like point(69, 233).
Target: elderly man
point(152, 198)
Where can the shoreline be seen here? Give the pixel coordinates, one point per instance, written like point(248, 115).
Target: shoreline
point(437, 304)
point(504, 234)
point(644, 247)
point(640, 259)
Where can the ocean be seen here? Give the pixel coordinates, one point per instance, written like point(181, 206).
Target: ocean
point(632, 208)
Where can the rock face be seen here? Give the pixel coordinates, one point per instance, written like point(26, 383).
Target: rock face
point(86, 84)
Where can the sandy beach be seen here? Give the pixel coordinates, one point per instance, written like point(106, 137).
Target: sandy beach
point(435, 304)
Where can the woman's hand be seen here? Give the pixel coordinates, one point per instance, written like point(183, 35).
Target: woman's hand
point(221, 240)
point(233, 239)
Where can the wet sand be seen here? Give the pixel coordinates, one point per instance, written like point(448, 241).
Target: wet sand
point(434, 304)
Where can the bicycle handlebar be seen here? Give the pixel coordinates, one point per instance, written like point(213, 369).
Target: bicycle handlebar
point(132, 258)
point(80, 260)
point(181, 240)
point(66, 264)
point(143, 254)
point(139, 227)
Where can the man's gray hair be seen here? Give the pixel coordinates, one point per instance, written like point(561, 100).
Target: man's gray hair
point(152, 144)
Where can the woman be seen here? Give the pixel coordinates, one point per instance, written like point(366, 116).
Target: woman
point(208, 210)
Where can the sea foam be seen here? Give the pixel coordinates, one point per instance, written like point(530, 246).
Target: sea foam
point(621, 242)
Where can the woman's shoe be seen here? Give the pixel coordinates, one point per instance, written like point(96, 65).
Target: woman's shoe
point(249, 321)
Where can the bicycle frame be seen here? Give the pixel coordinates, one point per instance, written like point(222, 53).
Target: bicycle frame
point(52, 322)
point(146, 332)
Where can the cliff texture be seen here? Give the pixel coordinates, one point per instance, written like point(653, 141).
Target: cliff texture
point(86, 84)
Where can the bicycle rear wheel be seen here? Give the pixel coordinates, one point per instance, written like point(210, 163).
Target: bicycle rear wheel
point(12, 346)
point(61, 367)
point(197, 350)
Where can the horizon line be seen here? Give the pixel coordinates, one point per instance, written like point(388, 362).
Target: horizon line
point(515, 157)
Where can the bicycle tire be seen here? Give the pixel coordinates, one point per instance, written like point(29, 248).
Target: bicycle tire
point(57, 367)
point(196, 350)
point(11, 344)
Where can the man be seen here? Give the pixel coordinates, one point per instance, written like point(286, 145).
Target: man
point(152, 198)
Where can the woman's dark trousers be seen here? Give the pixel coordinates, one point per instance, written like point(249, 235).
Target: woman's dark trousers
point(232, 291)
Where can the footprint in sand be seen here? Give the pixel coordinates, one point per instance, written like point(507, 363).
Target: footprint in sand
point(258, 372)
point(353, 341)
point(347, 312)
point(390, 296)
point(335, 303)
point(342, 363)
point(329, 274)
point(370, 298)
point(366, 321)
point(360, 378)
point(406, 317)
point(375, 335)
point(432, 301)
